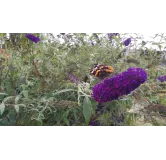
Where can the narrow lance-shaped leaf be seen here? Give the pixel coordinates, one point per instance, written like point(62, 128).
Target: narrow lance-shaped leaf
point(16, 106)
point(25, 93)
point(2, 107)
point(62, 91)
point(17, 99)
point(87, 109)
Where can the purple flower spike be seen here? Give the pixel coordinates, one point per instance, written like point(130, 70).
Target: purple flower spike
point(111, 34)
point(162, 78)
point(127, 41)
point(32, 37)
point(119, 85)
point(73, 78)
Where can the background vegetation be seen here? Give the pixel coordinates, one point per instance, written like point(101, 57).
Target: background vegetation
point(36, 89)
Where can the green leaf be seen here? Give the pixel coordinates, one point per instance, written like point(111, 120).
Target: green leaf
point(3, 94)
point(17, 99)
point(24, 87)
point(87, 109)
point(65, 117)
point(2, 107)
point(16, 108)
point(41, 116)
point(23, 105)
point(37, 86)
point(8, 86)
point(31, 59)
point(62, 91)
point(1, 34)
point(75, 115)
point(25, 93)
point(4, 122)
point(66, 121)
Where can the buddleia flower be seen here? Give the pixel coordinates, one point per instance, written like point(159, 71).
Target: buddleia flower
point(73, 78)
point(121, 84)
point(110, 35)
point(127, 41)
point(162, 78)
point(33, 38)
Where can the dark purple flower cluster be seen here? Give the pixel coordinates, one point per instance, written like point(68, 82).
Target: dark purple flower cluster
point(93, 123)
point(119, 85)
point(32, 37)
point(110, 35)
point(162, 78)
point(73, 78)
point(127, 41)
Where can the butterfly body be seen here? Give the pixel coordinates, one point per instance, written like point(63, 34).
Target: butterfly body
point(101, 70)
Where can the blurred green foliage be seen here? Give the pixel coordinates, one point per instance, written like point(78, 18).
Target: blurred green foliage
point(35, 89)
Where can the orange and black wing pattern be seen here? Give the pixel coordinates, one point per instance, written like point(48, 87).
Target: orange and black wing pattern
point(101, 70)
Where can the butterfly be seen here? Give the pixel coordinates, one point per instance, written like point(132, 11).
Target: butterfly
point(101, 70)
